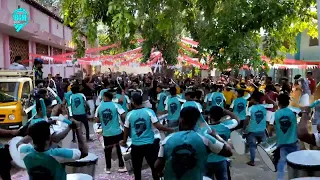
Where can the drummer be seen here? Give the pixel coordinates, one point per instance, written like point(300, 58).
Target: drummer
point(183, 154)
point(286, 130)
point(139, 124)
point(5, 158)
point(239, 106)
point(256, 117)
point(161, 98)
point(107, 113)
point(173, 108)
point(217, 166)
point(43, 162)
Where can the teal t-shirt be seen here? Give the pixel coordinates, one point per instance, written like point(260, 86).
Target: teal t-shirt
point(102, 92)
point(223, 129)
point(286, 126)
point(186, 153)
point(47, 162)
point(78, 102)
point(125, 102)
point(206, 100)
point(108, 113)
point(257, 115)
point(140, 121)
point(67, 96)
point(239, 106)
point(161, 101)
point(173, 107)
point(217, 99)
point(199, 107)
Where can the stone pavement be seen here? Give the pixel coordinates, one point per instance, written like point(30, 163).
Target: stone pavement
point(239, 169)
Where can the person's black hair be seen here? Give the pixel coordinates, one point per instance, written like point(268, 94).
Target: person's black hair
point(207, 88)
point(198, 94)
point(269, 78)
point(256, 96)
point(17, 58)
point(137, 99)
point(40, 133)
point(38, 81)
point(108, 95)
point(119, 90)
point(189, 116)
point(297, 76)
point(41, 93)
point(191, 94)
point(173, 91)
point(240, 92)
point(75, 89)
point(284, 99)
point(270, 87)
point(216, 113)
point(309, 73)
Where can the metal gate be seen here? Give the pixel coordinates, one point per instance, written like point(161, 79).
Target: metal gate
point(19, 47)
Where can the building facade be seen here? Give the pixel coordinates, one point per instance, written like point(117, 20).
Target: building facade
point(45, 34)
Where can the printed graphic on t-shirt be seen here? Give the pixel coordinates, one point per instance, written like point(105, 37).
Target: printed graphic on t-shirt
point(258, 116)
point(106, 116)
point(240, 107)
point(140, 126)
point(163, 99)
point(40, 172)
point(77, 102)
point(183, 159)
point(173, 108)
point(285, 124)
point(218, 100)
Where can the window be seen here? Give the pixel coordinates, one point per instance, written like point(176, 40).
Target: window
point(26, 88)
point(313, 41)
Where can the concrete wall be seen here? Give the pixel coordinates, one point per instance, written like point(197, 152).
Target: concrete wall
point(308, 52)
point(41, 29)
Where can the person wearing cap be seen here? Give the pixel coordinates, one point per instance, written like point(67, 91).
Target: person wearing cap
point(37, 67)
point(17, 64)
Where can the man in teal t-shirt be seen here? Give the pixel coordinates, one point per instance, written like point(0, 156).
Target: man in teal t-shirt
point(108, 114)
point(161, 98)
point(183, 154)
point(78, 109)
point(218, 166)
point(239, 106)
point(173, 107)
point(217, 99)
point(123, 99)
point(140, 122)
point(43, 162)
point(256, 128)
point(286, 129)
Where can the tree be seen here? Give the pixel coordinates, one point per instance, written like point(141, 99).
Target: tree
point(229, 31)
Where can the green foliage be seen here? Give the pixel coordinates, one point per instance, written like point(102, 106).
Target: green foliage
point(228, 30)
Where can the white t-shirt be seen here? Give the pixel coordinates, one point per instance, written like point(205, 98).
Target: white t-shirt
point(17, 66)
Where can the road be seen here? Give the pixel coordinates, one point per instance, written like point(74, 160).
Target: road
point(239, 169)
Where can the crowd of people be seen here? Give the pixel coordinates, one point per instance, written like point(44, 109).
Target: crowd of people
point(197, 132)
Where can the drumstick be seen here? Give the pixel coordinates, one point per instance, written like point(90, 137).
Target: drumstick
point(119, 83)
point(55, 95)
point(44, 109)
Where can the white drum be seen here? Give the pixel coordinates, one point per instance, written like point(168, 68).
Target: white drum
point(85, 165)
point(15, 155)
point(78, 176)
point(206, 178)
point(238, 142)
point(304, 163)
point(267, 151)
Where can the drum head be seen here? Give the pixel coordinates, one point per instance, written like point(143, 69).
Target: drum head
point(206, 178)
point(307, 159)
point(266, 158)
point(15, 155)
point(78, 176)
point(238, 142)
point(88, 160)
